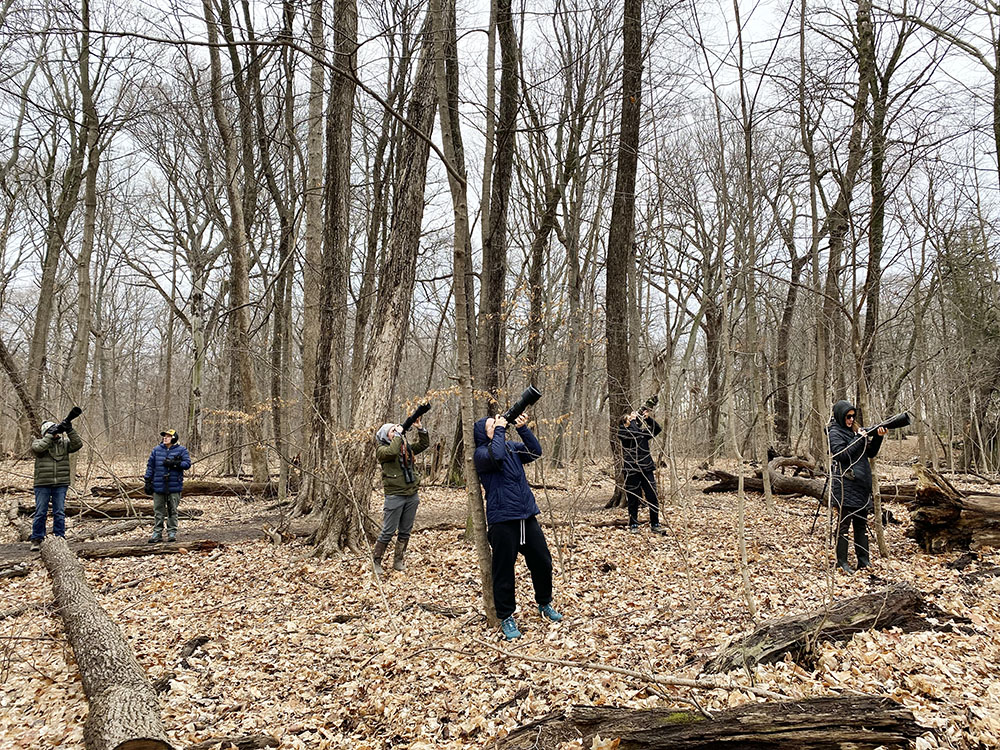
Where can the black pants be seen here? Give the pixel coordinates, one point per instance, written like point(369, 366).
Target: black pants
point(637, 484)
point(507, 538)
point(858, 517)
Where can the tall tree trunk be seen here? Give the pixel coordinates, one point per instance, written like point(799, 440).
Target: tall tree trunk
point(346, 479)
point(446, 78)
point(337, 196)
point(81, 339)
point(239, 279)
point(312, 269)
point(492, 295)
point(621, 250)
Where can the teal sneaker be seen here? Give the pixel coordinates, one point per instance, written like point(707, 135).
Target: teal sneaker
point(549, 613)
point(509, 628)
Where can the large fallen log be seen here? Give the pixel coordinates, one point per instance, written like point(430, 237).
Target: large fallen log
point(144, 549)
point(194, 487)
point(124, 712)
point(899, 605)
point(945, 518)
point(856, 722)
point(107, 509)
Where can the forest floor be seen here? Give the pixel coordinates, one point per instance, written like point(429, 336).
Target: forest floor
point(319, 654)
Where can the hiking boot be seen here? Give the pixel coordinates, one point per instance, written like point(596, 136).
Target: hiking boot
point(171, 537)
point(397, 555)
point(155, 539)
point(845, 568)
point(657, 529)
point(633, 528)
point(377, 551)
point(509, 629)
point(548, 613)
point(36, 545)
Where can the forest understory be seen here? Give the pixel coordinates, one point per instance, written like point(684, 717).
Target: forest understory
point(319, 654)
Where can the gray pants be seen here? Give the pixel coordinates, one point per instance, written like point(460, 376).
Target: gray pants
point(398, 513)
point(165, 505)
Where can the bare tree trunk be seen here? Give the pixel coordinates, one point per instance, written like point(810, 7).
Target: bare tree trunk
point(312, 271)
point(621, 249)
point(239, 290)
point(492, 294)
point(347, 476)
point(446, 78)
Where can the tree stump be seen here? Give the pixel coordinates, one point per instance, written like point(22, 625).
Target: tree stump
point(124, 711)
point(945, 518)
point(899, 605)
point(842, 722)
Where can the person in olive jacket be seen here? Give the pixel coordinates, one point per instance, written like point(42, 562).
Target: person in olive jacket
point(164, 481)
point(400, 480)
point(52, 477)
point(851, 480)
point(635, 431)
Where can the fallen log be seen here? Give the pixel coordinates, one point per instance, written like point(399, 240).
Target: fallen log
point(15, 570)
point(240, 742)
point(945, 518)
point(106, 509)
point(124, 712)
point(144, 549)
point(196, 487)
point(856, 722)
point(108, 529)
point(900, 606)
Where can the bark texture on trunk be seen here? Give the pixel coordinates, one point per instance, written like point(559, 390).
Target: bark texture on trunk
point(836, 723)
point(124, 711)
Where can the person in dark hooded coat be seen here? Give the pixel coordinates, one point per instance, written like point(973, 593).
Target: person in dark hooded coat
point(851, 480)
point(510, 516)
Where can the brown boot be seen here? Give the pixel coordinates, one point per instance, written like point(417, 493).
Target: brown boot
point(377, 551)
point(397, 555)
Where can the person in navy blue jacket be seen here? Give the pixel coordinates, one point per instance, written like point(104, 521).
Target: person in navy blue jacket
point(164, 481)
point(510, 516)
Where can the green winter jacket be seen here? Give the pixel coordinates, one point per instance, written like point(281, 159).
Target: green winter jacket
point(389, 456)
point(52, 458)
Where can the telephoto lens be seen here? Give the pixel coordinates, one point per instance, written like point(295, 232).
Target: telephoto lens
point(528, 397)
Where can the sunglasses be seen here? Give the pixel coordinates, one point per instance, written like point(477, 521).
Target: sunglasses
point(849, 416)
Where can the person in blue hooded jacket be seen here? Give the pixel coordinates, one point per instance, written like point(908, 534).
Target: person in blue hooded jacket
point(511, 510)
point(851, 480)
point(164, 481)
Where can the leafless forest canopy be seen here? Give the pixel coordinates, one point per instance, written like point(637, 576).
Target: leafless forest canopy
point(245, 220)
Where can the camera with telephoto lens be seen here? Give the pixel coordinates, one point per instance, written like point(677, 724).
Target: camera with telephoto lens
point(421, 410)
point(528, 397)
point(650, 404)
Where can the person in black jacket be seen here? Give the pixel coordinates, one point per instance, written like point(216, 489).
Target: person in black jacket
point(851, 480)
point(635, 431)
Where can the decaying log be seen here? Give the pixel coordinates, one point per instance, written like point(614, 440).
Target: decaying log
point(197, 487)
point(899, 605)
point(109, 529)
point(143, 549)
point(124, 711)
point(945, 518)
point(240, 742)
point(14, 570)
point(105, 509)
point(855, 722)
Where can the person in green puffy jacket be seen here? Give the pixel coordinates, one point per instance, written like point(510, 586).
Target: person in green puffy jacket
point(52, 477)
point(400, 480)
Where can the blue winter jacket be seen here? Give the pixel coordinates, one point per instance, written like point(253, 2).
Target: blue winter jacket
point(167, 480)
point(500, 465)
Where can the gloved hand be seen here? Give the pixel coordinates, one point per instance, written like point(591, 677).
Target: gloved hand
point(56, 429)
point(147, 485)
point(172, 463)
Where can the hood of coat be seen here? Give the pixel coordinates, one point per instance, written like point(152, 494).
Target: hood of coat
point(382, 433)
point(46, 425)
point(840, 410)
point(479, 436)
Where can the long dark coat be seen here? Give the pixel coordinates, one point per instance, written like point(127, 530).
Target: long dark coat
point(851, 474)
